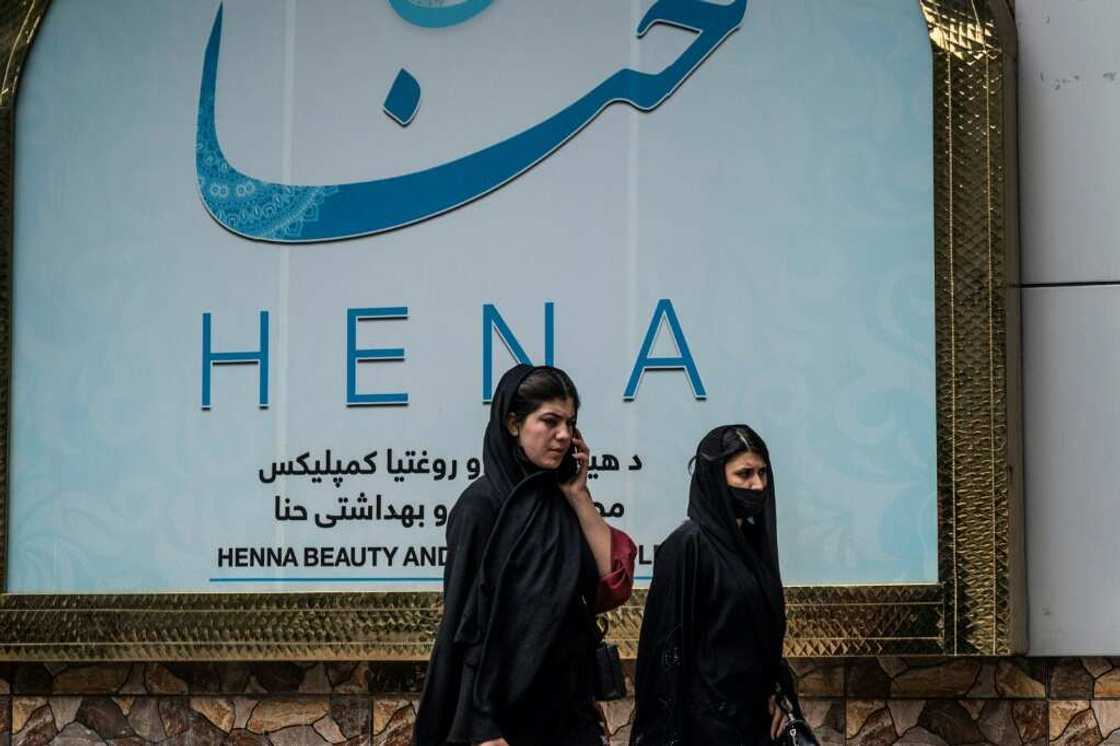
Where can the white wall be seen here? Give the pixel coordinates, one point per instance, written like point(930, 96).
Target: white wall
point(1070, 215)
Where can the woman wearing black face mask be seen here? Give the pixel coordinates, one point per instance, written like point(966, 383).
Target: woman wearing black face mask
point(710, 654)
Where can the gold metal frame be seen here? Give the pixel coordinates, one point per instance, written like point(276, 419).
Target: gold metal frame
point(974, 609)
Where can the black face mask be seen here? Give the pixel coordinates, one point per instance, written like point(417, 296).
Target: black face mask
point(747, 504)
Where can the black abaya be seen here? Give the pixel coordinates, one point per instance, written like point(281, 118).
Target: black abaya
point(710, 651)
point(513, 653)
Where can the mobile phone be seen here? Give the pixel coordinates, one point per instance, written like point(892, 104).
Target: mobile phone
point(569, 466)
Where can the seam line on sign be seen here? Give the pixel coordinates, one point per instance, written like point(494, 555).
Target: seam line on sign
point(284, 278)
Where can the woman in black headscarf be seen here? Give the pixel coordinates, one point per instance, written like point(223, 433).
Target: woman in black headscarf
point(529, 561)
point(710, 654)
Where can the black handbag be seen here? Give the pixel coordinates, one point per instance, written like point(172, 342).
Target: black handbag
point(607, 678)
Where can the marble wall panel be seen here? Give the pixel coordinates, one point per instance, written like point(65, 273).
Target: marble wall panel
point(226, 678)
point(283, 720)
point(880, 702)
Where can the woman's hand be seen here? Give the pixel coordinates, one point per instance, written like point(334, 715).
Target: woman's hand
point(575, 490)
point(495, 742)
point(779, 719)
point(595, 529)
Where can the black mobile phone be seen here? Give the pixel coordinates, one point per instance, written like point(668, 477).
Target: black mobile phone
point(569, 466)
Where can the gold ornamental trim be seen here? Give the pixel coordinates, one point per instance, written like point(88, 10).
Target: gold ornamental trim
point(975, 608)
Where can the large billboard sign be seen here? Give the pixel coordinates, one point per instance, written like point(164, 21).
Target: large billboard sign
point(271, 259)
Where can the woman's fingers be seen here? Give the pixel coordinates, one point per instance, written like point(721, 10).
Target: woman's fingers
point(778, 722)
point(583, 453)
point(579, 442)
point(776, 716)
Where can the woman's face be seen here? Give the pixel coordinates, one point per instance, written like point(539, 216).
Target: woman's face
point(747, 470)
point(546, 434)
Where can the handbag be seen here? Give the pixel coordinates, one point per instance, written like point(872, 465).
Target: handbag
point(607, 679)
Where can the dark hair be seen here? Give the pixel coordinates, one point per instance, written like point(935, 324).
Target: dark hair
point(543, 384)
point(732, 442)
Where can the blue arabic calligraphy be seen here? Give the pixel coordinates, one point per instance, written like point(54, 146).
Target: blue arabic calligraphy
point(403, 98)
point(438, 16)
point(271, 211)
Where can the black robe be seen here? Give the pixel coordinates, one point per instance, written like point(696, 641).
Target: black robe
point(710, 651)
point(513, 654)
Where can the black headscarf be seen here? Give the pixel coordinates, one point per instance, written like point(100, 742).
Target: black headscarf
point(530, 571)
point(504, 605)
point(711, 643)
point(709, 505)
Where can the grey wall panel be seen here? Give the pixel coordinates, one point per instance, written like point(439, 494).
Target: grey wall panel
point(1069, 101)
point(1072, 468)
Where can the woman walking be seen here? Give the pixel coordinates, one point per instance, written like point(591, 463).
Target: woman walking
point(710, 654)
point(529, 562)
